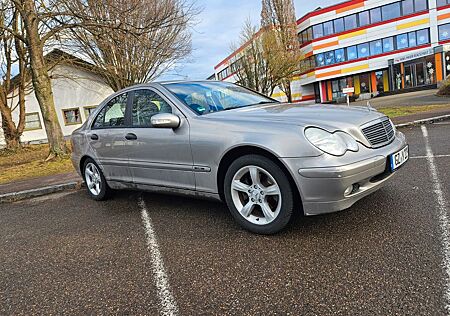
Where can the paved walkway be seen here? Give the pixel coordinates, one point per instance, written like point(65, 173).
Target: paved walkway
point(417, 98)
point(35, 183)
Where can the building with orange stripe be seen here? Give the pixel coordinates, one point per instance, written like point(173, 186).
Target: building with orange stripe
point(375, 46)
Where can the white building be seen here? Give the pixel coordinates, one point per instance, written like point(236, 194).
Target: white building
point(76, 91)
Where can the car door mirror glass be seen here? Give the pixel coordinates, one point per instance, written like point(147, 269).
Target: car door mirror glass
point(165, 120)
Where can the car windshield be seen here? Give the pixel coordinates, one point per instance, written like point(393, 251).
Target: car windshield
point(208, 97)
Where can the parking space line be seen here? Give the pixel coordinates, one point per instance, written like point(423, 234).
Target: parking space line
point(443, 218)
point(426, 157)
point(168, 304)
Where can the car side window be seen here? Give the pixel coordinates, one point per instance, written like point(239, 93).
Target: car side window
point(147, 103)
point(113, 114)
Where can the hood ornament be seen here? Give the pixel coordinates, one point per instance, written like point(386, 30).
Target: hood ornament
point(369, 107)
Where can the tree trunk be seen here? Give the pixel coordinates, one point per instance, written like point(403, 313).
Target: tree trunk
point(41, 81)
point(12, 137)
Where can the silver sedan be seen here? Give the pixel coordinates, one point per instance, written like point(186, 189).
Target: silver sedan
point(218, 140)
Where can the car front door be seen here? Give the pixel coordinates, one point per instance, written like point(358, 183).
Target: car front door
point(159, 156)
point(108, 142)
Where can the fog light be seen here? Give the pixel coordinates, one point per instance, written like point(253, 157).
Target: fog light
point(352, 189)
point(348, 191)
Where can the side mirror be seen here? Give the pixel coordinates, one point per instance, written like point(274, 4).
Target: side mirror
point(166, 120)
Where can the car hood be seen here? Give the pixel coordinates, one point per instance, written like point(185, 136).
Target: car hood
point(325, 116)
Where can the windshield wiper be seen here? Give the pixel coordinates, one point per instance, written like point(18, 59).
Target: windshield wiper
point(244, 106)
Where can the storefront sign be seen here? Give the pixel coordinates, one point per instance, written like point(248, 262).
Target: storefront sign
point(420, 54)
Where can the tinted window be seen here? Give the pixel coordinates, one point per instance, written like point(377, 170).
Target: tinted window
point(113, 114)
point(388, 44)
point(444, 32)
point(402, 41)
point(329, 58)
point(328, 28)
point(423, 37)
point(408, 7)
point(339, 25)
point(318, 31)
point(339, 55)
point(147, 103)
point(350, 22)
point(364, 18)
point(375, 15)
point(320, 60)
point(412, 39)
point(421, 5)
point(376, 47)
point(363, 50)
point(391, 11)
point(352, 52)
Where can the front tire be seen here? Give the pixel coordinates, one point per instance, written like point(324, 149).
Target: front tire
point(96, 184)
point(258, 194)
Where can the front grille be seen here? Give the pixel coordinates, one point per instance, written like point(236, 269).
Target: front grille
point(379, 133)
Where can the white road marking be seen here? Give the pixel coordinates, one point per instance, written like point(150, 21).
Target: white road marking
point(443, 218)
point(168, 304)
point(426, 157)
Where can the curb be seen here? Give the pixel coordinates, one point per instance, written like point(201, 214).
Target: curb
point(17, 196)
point(425, 121)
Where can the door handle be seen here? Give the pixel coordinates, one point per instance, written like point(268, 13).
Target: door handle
point(94, 137)
point(131, 136)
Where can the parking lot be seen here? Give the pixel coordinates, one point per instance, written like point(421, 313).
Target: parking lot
point(153, 254)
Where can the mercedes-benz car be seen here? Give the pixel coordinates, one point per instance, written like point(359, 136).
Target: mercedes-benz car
point(263, 158)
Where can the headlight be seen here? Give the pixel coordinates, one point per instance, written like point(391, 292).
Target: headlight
point(335, 144)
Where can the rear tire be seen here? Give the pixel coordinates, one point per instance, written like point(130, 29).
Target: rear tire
point(96, 184)
point(258, 194)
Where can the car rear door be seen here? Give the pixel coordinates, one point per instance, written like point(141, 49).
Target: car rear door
point(108, 142)
point(158, 156)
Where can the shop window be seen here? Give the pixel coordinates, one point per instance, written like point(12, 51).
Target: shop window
point(329, 58)
point(408, 7)
point(350, 22)
point(412, 39)
point(72, 116)
point(420, 5)
point(320, 60)
point(32, 121)
point(388, 44)
point(380, 81)
point(376, 47)
point(339, 55)
point(441, 3)
point(398, 77)
point(423, 37)
point(363, 50)
point(444, 32)
point(364, 82)
point(318, 30)
point(364, 18)
point(430, 76)
point(375, 15)
point(402, 41)
point(447, 63)
point(352, 53)
point(391, 11)
point(339, 25)
point(328, 28)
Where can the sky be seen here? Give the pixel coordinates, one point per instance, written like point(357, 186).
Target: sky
point(218, 27)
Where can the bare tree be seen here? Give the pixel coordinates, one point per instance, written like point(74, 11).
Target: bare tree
point(142, 38)
point(12, 90)
point(280, 41)
point(250, 65)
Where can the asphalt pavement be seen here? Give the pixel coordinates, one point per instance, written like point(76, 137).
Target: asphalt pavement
point(386, 255)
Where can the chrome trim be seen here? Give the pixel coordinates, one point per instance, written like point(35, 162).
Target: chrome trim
point(381, 132)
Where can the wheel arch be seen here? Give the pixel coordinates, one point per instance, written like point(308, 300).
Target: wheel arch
point(244, 150)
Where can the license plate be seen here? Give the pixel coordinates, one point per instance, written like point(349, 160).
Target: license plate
point(399, 158)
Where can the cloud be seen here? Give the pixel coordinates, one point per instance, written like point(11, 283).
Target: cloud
point(219, 26)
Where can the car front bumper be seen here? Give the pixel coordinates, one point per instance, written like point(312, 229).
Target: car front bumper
point(322, 181)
